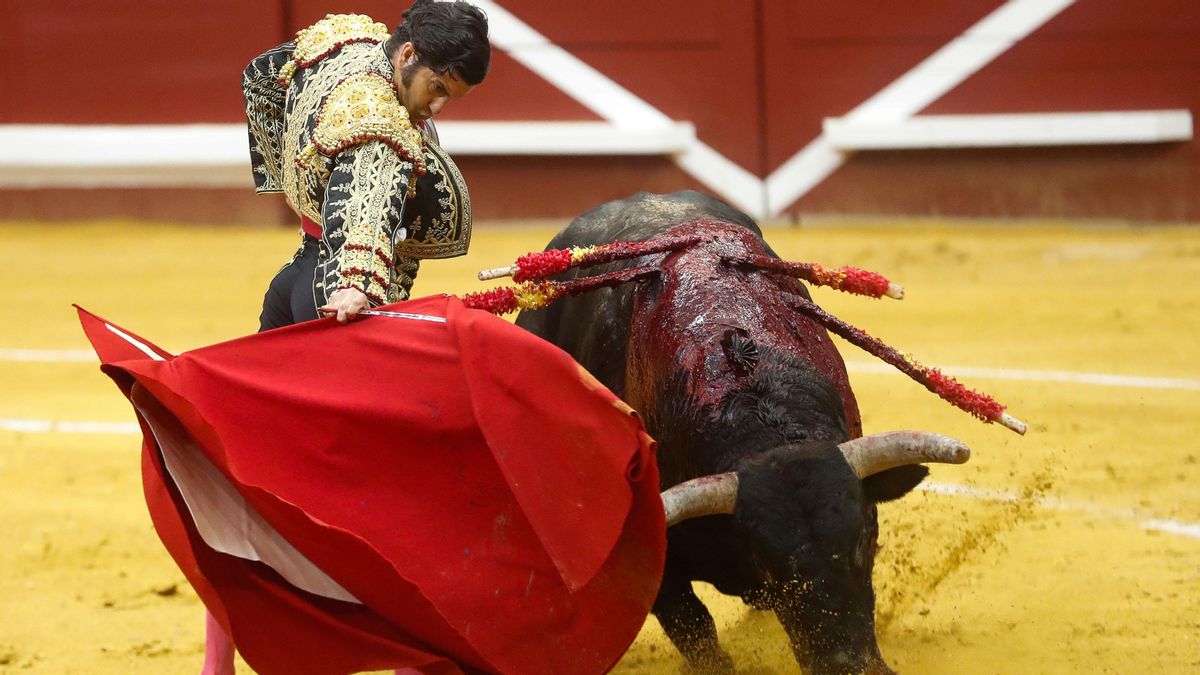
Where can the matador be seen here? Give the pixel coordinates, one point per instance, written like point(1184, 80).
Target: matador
point(339, 122)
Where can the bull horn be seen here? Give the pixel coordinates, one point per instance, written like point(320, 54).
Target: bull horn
point(704, 496)
point(717, 494)
point(870, 455)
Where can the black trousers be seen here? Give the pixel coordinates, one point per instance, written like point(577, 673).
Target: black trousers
point(289, 298)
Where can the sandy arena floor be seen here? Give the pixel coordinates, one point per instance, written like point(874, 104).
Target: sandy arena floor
point(1075, 549)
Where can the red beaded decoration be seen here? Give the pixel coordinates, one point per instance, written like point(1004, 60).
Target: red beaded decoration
point(847, 279)
point(539, 294)
point(542, 264)
point(379, 252)
point(507, 299)
point(498, 301)
point(854, 280)
point(536, 293)
point(980, 405)
point(623, 250)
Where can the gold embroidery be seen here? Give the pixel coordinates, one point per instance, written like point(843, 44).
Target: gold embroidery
point(334, 31)
point(366, 259)
point(361, 108)
point(304, 184)
point(403, 275)
point(352, 160)
point(347, 207)
point(440, 218)
point(264, 114)
point(286, 71)
point(328, 35)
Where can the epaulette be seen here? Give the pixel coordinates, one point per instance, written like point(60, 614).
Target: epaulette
point(329, 35)
point(359, 109)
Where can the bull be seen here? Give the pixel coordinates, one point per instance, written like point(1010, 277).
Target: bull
point(752, 409)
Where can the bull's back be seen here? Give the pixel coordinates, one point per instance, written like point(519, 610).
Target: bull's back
point(594, 327)
point(646, 215)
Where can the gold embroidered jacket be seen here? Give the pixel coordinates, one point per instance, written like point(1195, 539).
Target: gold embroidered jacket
point(327, 130)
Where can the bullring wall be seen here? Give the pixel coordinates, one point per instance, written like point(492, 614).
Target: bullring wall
point(757, 79)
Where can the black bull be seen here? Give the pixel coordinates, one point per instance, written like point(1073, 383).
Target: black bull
point(728, 378)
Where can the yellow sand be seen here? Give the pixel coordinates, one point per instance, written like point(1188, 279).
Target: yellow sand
point(965, 585)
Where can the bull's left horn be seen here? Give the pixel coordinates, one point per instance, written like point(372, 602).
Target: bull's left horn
point(704, 496)
point(870, 455)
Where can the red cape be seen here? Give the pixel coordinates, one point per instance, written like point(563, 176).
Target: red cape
point(476, 501)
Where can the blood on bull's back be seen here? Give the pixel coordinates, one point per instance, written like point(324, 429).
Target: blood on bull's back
point(706, 317)
point(708, 335)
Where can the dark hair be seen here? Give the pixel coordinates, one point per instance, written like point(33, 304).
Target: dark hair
point(447, 36)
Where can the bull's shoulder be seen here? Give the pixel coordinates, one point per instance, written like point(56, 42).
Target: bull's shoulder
point(645, 215)
point(615, 220)
point(687, 205)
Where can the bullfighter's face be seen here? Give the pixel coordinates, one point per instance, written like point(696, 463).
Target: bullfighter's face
point(421, 90)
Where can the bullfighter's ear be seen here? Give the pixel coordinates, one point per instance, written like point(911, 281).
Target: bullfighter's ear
point(893, 483)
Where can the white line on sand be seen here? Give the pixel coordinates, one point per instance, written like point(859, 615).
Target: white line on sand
point(1144, 520)
point(32, 426)
point(48, 355)
point(873, 368)
point(1027, 375)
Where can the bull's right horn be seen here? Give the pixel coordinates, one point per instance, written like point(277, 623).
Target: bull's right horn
point(704, 496)
point(717, 494)
point(872, 454)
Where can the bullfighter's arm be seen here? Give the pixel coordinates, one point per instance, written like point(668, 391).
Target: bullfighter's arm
point(264, 95)
point(364, 203)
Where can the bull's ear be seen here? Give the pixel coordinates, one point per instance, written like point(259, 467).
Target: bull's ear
point(893, 483)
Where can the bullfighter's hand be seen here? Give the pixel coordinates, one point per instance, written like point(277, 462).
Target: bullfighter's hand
point(346, 303)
